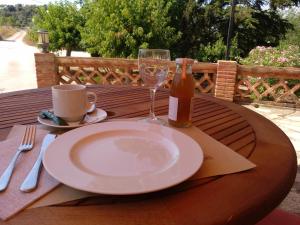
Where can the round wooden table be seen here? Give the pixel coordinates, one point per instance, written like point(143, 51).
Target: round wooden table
point(240, 198)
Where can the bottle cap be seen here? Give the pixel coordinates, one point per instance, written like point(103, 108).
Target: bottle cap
point(187, 60)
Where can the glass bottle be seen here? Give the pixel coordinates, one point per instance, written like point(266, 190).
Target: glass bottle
point(181, 94)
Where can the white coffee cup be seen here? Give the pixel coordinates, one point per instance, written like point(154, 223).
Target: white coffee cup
point(70, 101)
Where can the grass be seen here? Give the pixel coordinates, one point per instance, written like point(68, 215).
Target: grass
point(27, 39)
point(7, 31)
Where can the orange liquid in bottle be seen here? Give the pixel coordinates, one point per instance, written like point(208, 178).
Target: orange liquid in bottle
point(181, 94)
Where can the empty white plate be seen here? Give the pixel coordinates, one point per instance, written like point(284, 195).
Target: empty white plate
point(123, 157)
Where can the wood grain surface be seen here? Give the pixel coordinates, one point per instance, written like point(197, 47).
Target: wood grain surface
point(236, 199)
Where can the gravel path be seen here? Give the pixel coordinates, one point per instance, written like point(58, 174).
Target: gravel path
point(17, 66)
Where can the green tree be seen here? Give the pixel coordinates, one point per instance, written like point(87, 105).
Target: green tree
point(63, 20)
point(16, 15)
point(118, 28)
point(212, 52)
point(203, 23)
point(292, 37)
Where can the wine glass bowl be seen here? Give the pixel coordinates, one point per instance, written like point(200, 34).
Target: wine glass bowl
point(153, 68)
point(152, 73)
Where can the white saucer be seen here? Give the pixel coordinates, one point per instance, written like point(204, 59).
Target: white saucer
point(96, 116)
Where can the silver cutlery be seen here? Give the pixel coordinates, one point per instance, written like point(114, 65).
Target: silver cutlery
point(31, 180)
point(26, 145)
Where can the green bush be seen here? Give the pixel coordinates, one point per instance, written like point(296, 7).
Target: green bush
point(216, 51)
point(281, 56)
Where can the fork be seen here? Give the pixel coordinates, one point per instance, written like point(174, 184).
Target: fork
point(26, 145)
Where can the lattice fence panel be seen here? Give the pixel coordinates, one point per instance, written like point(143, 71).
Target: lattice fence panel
point(268, 89)
point(98, 75)
point(204, 82)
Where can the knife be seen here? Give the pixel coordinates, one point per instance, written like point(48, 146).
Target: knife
point(30, 182)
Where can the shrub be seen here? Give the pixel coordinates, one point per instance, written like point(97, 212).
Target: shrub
point(267, 56)
point(212, 52)
point(282, 56)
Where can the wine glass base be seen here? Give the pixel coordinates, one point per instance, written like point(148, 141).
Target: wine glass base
point(156, 120)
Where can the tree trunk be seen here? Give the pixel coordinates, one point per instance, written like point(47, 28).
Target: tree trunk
point(230, 28)
point(69, 50)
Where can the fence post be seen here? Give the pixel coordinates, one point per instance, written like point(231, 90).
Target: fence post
point(46, 69)
point(225, 80)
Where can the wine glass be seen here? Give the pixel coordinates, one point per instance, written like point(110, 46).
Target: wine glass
point(153, 68)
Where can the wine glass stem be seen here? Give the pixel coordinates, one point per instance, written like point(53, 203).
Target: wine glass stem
point(152, 97)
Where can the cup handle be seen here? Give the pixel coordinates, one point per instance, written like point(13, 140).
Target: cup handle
point(89, 104)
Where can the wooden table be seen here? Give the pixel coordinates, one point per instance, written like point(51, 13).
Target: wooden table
point(241, 199)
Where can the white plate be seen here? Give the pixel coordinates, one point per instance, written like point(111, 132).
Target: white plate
point(96, 116)
point(123, 157)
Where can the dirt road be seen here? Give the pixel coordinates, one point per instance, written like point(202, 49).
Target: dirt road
point(17, 66)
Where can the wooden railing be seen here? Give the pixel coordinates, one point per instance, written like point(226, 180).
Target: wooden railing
point(263, 83)
point(225, 79)
point(67, 70)
point(124, 72)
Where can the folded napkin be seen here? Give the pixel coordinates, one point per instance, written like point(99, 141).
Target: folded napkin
point(218, 158)
point(12, 200)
